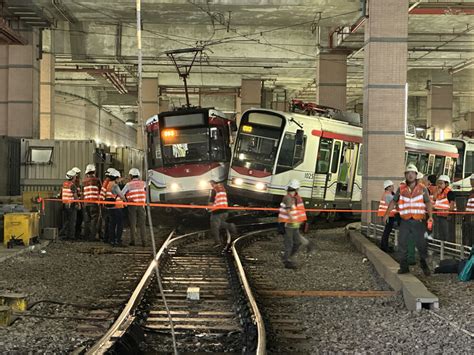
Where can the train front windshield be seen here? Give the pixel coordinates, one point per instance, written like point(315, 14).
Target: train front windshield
point(258, 141)
point(185, 145)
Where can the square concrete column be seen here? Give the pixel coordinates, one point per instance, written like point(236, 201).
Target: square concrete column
point(47, 96)
point(385, 76)
point(331, 80)
point(250, 94)
point(150, 105)
point(440, 105)
point(19, 88)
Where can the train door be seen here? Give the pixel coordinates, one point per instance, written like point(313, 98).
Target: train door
point(323, 163)
point(357, 186)
point(345, 176)
point(334, 169)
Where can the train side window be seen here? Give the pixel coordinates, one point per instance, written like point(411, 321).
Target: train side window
point(360, 162)
point(412, 158)
point(335, 157)
point(217, 143)
point(469, 168)
point(430, 164)
point(423, 163)
point(298, 156)
point(438, 165)
point(324, 156)
point(447, 167)
point(291, 154)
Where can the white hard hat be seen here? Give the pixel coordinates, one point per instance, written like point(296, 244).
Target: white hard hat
point(411, 167)
point(444, 178)
point(472, 177)
point(134, 172)
point(115, 173)
point(109, 171)
point(387, 183)
point(76, 170)
point(294, 184)
point(70, 174)
point(419, 176)
point(90, 168)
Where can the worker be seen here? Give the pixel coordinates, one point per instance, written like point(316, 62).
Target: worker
point(92, 186)
point(444, 202)
point(68, 196)
point(219, 215)
point(115, 209)
point(413, 202)
point(385, 200)
point(80, 215)
point(468, 220)
point(292, 213)
point(104, 211)
point(135, 192)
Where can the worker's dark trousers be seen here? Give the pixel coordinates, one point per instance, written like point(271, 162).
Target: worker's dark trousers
point(412, 230)
point(136, 217)
point(441, 228)
point(386, 234)
point(292, 240)
point(91, 219)
point(218, 222)
point(78, 227)
point(468, 230)
point(71, 216)
point(116, 225)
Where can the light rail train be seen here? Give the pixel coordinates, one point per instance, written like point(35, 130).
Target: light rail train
point(323, 153)
point(465, 165)
point(186, 149)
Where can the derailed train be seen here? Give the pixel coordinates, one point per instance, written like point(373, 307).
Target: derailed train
point(324, 151)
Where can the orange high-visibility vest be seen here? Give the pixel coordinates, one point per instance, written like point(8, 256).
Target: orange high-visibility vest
point(411, 203)
point(432, 190)
point(103, 189)
point(442, 202)
point(136, 191)
point(470, 203)
point(66, 192)
point(220, 200)
point(297, 212)
point(383, 206)
point(110, 196)
point(91, 188)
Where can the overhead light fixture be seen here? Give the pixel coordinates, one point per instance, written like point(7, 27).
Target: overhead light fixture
point(130, 122)
point(462, 66)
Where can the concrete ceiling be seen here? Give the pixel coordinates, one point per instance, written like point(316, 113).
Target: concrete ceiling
point(275, 40)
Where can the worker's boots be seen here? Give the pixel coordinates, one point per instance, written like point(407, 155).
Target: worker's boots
point(425, 268)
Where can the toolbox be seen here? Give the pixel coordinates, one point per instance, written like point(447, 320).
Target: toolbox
point(20, 227)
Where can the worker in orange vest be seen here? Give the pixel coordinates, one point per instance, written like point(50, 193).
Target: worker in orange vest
point(105, 217)
point(68, 196)
point(80, 210)
point(444, 201)
point(135, 191)
point(91, 191)
point(385, 200)
point(219, 215)
point(113, 194)
point(292, 214)
point(414, 203)
point(468, 220)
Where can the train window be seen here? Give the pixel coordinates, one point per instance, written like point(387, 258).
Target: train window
point(324, 156)
point(412, 158)
point(447, 167)
point(186, 145)
point(217, 143)
point(291, 154)
point(360, 163)
point(430, 164)
point(438, 165)
point(423, 165)
point(335, 157)
point(469, 166)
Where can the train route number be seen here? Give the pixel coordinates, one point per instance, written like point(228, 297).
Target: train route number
point(309, 176)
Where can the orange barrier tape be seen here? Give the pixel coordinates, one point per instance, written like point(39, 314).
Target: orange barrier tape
point(234, 208)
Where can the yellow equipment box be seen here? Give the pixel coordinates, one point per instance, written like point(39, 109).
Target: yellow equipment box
point(20, 226)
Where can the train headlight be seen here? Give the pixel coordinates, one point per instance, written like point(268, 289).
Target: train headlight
point(203, 184)
point(174, 187)
point(260, 186)
point(238, 181)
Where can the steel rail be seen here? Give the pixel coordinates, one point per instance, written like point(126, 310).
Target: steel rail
point(126, 317)
point(261, 334)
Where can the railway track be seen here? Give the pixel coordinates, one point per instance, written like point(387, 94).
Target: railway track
point(224, 318)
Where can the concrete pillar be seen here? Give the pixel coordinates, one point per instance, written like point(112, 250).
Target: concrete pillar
point(250, 94)
point(385, 76)
point(47, 96)
point(331, 80)
point(19, 88)
point(440, 105)
point(164, 105)
point(150, 105)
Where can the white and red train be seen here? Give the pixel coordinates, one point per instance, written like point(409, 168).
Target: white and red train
point(323, 153)
point(186, 149)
